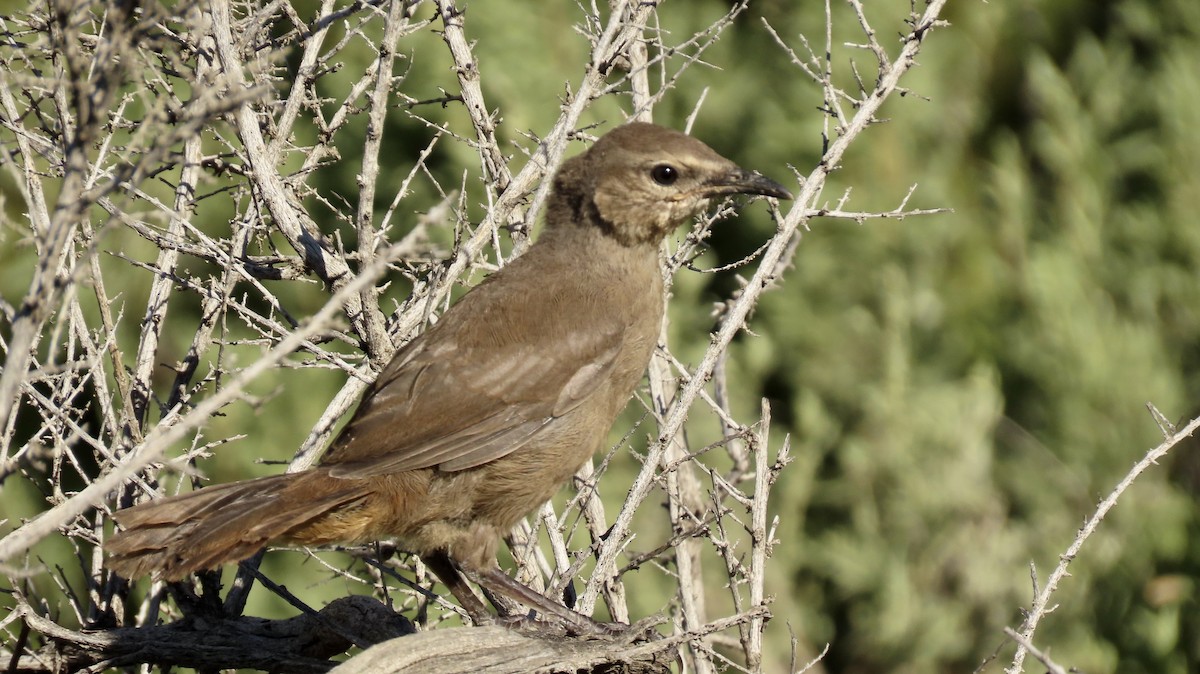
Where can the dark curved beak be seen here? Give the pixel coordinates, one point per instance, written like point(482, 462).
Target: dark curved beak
point(741, 181)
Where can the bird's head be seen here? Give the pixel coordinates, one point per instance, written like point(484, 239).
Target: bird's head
point(641, 181)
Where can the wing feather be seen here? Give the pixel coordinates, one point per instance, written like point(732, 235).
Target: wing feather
point(459, 395)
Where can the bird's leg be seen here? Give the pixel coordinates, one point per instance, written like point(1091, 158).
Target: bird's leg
point(509, 596)
point(444, 569)
point(506, 607)
point(576, 623)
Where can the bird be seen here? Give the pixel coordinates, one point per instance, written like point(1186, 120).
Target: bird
point(481, 418)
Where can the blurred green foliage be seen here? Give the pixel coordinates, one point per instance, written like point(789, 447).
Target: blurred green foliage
point(971, 384)
point(960, 389)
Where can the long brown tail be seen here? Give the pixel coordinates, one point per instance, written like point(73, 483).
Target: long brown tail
point(221, 524)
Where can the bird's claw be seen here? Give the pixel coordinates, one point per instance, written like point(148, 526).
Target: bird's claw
point(584, 627)
point(530, 626)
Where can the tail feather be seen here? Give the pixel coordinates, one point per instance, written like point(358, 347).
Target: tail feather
point(220, 524)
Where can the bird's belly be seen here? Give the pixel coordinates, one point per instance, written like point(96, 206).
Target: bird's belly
point(518, 483)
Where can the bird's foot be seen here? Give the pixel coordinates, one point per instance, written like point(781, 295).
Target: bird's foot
point(596, 629)
point(531, 626)
point(578, 626)
point(581, 626)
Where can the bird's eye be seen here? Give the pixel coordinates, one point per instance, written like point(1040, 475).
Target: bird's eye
point(664, 174)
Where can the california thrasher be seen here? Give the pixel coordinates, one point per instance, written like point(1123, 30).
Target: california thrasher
point(480, 419)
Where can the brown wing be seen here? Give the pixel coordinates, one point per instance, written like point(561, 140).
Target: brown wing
point(494, 372)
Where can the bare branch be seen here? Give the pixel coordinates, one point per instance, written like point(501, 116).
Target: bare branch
point(1041, 601)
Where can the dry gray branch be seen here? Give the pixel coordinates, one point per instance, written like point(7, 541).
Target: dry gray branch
point(1041, 606)
point(499, 650)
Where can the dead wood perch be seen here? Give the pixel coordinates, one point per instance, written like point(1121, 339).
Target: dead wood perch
point(297, 645)
point(499, 650)
point(303, 645)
